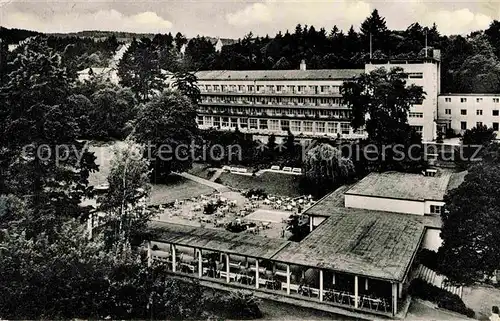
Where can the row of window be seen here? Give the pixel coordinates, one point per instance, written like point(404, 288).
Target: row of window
point(292, 112)
point(479, 112)
point(463, 125)
point(478, 100)
point(295, 126)
point(416, 115)
point(310, 101)
point(290, 89)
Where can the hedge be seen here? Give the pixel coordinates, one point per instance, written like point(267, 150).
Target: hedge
point(444, 299)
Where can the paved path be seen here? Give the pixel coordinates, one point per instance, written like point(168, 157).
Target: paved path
point(218, 172)
point(219, 187)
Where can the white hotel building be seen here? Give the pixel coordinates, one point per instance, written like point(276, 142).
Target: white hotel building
point(465, 111)
point(306, 102)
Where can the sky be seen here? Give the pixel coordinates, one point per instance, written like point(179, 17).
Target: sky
point(235, 18)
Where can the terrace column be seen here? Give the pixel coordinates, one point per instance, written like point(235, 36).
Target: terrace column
point(366, 284)
point(355, 291)
point(321, 285)
point(150, 257)
point(200, 263)
point(400, 290)
point(174, 257)
point(256, 273)
point(288, 279)
point(394, 298)
point(333, 278)
point(227, 268)
point(311, 227)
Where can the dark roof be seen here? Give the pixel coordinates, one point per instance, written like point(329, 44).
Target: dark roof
point(319, 74)
point(416, 187)
point(217, 240)
point(332, 200)
point(469, 95)
point(368, 243)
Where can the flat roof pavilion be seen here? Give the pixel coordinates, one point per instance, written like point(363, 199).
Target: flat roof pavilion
point(406, 186)
point(373, 244)
point(216, 240)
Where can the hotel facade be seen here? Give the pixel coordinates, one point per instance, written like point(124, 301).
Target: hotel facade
point(307, 103)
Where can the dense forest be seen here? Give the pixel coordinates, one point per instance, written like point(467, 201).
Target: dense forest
point(469, 63)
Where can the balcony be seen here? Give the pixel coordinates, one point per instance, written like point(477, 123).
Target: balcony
point(273, 105)
point(305, 93)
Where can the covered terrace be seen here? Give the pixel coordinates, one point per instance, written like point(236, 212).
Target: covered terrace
point(355, 259)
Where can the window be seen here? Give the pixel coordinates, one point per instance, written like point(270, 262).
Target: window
point(200, 120)
point(332, 128)
point(479, 112)
point(291, 89)
point(415, 75)
point(279, 88)
point(479, 124)
point(285, 125)
point(253, 123)
point(418, 129)
point(308, 126)
point(463, 100)
point(216, 121)
point(495, 127)
point(447, 111)
point(225, 121)
point(234, 122)
point(435, 209)
point(243, 122)
point(216, 88)
point(320, 126)
point(295, 126)
point(463, 125)
point(463, 111)
point(416, 115)
point(250, 88)
point(263, 123)
point(274, 124)
point(447, 100)
point(259, 88)
point(496, 100)
point(301, 89)
point(324, 89)
point(495, 112)
point(241, 88)
point(478, 100)
point(345, 128)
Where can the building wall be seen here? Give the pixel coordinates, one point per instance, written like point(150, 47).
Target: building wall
point(309, 108)
point(432, 239)
point(478, 108)
point(388, 205)
point(425, 74)
point(428, 206)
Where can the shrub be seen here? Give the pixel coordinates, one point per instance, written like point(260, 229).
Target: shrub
point(218, 180)
point(443, 298)
point(428, 259)
point(259, 192)
point(234, 305)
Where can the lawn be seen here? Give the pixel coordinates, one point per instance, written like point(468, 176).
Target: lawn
point(179, 188)
point(271, 183)
point(201, 170)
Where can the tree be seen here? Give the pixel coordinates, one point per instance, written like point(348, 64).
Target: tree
point(380, 102)
point(167, 126)
point(479, 135)
point(326, 168)
point(41, 158)
point(139, 69)
point(471, 226)
point(187, 83)
point(114, 108)
point(124, 203)
point(180, 41)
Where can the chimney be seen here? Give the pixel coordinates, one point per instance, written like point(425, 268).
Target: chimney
point(303, 66)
